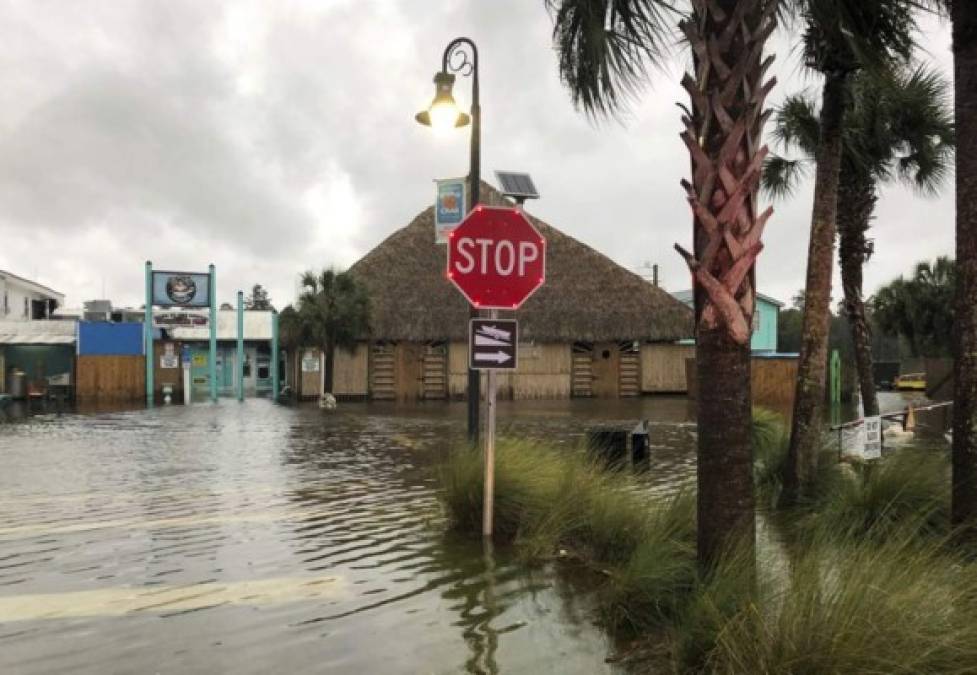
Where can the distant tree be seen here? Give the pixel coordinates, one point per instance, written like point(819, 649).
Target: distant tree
point(226, 306)
point(333, 312)
point(258, 300)
point(920, 309)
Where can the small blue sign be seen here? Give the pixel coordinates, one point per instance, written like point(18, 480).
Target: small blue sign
point(185, 355)
point(449, 208)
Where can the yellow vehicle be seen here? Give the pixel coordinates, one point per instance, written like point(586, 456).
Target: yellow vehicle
point(910, 382)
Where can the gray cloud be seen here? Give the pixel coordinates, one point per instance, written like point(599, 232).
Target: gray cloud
point(272, 137)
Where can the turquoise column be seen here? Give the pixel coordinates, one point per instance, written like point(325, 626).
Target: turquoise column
point(274, 356)
point(149, 333)
point(240, 345)
point(212, 363)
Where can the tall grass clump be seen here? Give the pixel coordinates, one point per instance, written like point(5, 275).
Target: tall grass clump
point(770, 444)
point(858, 607)
point(907, 489)
point(549, 500)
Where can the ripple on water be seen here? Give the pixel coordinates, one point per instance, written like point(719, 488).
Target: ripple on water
point(259, 538)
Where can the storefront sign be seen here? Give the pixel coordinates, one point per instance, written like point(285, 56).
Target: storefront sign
point(199, 360)
point(449, 207)
point(180, 320)
point(181, 289)
point(169, 361)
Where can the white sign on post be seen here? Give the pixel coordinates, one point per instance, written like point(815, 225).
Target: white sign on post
point(873, 438)
point(863, 439)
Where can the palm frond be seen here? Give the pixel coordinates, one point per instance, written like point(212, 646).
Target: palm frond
point(797, 124)
point(781, 175)
point(606, 46)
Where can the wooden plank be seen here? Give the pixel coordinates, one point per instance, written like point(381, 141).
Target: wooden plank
point(110, 378)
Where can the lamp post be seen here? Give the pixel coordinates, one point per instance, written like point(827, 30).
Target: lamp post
point(461, 56)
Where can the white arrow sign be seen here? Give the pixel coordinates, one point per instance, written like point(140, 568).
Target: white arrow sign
point(498, 357)
point(497, 333)
point(485, 341)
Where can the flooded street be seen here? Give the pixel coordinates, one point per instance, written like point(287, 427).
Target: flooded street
point(260, 538)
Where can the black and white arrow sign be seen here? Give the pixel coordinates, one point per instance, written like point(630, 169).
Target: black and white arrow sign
point(492, 344)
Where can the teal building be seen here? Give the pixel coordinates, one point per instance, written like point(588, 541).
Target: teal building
point(764, 320)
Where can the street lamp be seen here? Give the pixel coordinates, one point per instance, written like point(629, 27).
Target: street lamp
point(461, 56)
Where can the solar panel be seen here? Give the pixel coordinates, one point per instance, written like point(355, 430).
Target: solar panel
point(518, 185)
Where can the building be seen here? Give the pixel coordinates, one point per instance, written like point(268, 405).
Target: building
point(257, 356)
point(592, 330)
point(773, 374)
point(764, 337)
point(36, 355)
point(25, 300)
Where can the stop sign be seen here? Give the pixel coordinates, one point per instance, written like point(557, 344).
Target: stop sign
point(496, 258)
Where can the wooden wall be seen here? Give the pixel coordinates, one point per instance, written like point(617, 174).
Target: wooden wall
point(172, 377)
point(774, 380)
point(309, 383)
point(663, 368)
point(543, 372)
point(351, 371)
point(110, 378)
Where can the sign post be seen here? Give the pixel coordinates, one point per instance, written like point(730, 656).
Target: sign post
point(497, 259)
point(187, 380)
point(212, 363)
point(150, 357)
point(240, 346)
point(274, 357)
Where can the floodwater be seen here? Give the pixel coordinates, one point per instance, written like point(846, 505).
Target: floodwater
point(254, 538)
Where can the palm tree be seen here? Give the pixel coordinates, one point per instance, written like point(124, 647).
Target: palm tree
point(605, 48)
point(841, 38)
point(897, 126)
point(964, 495)
point(333, 312)
point(920, 309)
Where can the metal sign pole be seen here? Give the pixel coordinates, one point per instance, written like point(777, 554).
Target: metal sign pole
point(150, 363)
point(240, 346)
point(489, 504)
point(212, 359)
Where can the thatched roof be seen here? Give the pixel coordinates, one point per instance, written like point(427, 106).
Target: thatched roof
point(587, 296)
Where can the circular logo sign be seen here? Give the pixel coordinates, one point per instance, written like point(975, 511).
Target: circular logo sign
point(181, 289)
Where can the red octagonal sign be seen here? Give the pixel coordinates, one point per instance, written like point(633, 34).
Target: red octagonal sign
point(496, 258)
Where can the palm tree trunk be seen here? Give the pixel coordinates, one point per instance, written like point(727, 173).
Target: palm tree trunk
point(856, 202)
point(964, 497)
point(806, 425)
point(723, 131)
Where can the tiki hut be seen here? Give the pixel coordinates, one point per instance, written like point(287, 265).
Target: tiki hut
point(584, 333)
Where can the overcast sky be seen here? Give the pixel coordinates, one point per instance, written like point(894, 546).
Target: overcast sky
point(273, 137)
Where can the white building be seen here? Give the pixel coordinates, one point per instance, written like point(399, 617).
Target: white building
point(25, 300)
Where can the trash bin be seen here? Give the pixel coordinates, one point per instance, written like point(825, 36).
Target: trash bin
point(17, 383)
point(639, 444)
